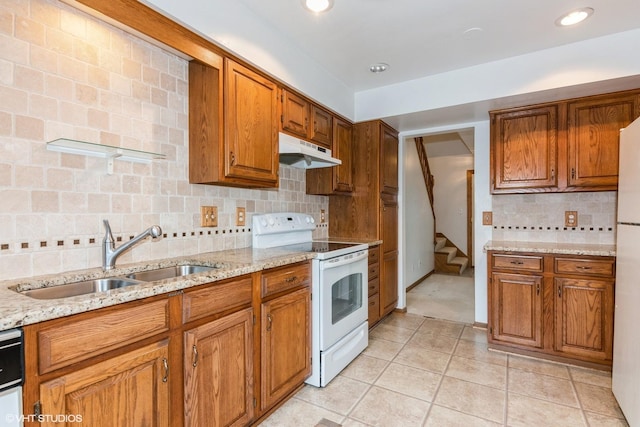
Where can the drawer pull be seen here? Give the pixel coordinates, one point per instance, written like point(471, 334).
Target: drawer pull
point(583, 267)
point(517, 262)
point(372, 303)
point(165, 363)
point(291, 279)
point(195, 356)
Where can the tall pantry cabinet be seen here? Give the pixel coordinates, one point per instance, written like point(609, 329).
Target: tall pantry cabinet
point(371, 210)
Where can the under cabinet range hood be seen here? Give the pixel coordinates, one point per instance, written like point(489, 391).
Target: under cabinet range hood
point(303, 154)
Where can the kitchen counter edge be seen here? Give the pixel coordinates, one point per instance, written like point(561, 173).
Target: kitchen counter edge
point(551, 248)
point(18, 310)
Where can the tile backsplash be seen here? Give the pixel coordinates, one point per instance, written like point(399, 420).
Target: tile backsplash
point(65, 74)
point(540, 217)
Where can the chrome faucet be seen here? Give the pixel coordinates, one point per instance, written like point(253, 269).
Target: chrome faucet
point(109, 251)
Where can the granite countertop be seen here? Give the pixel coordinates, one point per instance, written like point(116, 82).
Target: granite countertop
point(18, 310)
point(551, 248)
point(354, 240)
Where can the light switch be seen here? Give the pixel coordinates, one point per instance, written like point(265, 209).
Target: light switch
point(487, 218)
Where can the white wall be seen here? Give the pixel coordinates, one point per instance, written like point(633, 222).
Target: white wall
point(417, 218)
point(450, 196)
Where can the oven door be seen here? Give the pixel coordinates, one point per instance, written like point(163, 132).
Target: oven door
point(343, 293)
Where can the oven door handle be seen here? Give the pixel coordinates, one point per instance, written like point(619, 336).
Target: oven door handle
point(346, 259)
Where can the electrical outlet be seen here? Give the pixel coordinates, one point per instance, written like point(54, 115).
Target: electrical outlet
point(571, 218)
point(208, 216)
point(323, 218)
point(241, 216)
point(487, 218)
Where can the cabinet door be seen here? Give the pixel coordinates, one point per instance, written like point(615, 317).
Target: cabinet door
point(389, 224)
point(389, 283)
point(128, 390)
point(524, 150)
point(516, 309)
point(594, 137)
point(251, 125)
point(218, 372)
point(336, 179)
point(286, 342)
point(389, 161)
point(321, 130)
point(295, 114)
point(584, 317)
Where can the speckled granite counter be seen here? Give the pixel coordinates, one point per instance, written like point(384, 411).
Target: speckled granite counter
point(551, 248)
point(17, 310)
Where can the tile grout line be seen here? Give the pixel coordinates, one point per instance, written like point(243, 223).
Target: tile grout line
point(575, 391)
point(505, 415)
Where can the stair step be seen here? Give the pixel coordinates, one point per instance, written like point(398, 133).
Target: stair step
point(463, 262)
point(449, 251)
point(440, 243)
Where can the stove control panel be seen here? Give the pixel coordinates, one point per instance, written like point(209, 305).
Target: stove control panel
point(282, 222)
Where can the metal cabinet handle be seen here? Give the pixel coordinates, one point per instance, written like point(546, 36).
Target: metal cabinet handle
point(559, 292)
point(165, 363)
point(233, 158)
point(573, 173)
point(553, 174)
point(517, 262)
point(291, 279)
point(195, 356)
point(583, 267)
point(538, 289)
point(269, 321)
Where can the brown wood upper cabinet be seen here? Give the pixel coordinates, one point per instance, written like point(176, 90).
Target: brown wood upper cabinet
point(233, 126)
point(306, 120)
point(336, 179)
point(389, 160)
point(565, 146)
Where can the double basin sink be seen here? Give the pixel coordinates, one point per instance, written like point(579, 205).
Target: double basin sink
point(107, 284)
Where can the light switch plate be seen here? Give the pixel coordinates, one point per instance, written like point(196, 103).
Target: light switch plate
point(487, 218)
point(571, 218)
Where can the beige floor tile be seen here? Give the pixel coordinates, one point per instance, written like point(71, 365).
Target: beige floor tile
point(298, 413)
point(478, 372)
point(386, 408)
point(417, 357)
point(339, 396)
point(598, 399)
point(439, 416)
point(443, 296)
point(349, 422)
point(434, 342)
point(413, 382)
point(538, 366)
point(472, 399)
point(530, 412)
point(404, 320)
point(382, 349)
point(474, 334)
point(391, 333)
point(545, 387)
point(590, 376)
point(365, 368)
point(479, 351)
point(442, 327)
point(597, 420)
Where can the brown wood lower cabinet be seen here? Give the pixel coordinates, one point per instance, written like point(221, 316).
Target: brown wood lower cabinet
point(555, 306)
point(218, 382)
point(218, 354)
point(127, 390)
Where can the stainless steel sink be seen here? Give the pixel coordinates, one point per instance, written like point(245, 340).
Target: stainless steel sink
point(80, 288)
point(169, 272)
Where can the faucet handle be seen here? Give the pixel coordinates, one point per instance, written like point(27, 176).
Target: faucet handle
point(108, 237)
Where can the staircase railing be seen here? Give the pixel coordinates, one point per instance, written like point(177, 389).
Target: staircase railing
point(428, 177)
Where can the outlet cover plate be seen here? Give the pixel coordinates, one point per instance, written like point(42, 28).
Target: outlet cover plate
point(241, 216)
point(571, 218)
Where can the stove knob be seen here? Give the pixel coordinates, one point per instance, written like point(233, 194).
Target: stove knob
point(311, 220)
point(263, 222)
point(271, 221)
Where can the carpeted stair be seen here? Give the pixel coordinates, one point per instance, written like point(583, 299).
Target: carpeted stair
point(448, 258)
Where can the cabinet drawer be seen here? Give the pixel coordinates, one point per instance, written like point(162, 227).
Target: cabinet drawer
point(518, 262)
point(590, 267)
point(63, 344)
point(215, 298)
point(374, 255)
point(283, 278)
point(374, 271)
point(374, 286)
point(374, 309)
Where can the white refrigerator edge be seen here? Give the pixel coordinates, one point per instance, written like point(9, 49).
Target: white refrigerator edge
point(626, 336)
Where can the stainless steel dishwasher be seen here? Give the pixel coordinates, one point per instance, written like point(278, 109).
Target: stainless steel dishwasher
point(11, 369)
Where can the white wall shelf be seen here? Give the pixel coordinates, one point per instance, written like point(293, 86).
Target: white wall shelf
point(108, 152)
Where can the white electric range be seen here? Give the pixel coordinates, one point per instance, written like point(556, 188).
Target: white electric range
point(339, 290)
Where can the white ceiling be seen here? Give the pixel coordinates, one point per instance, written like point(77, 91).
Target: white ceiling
point(419, 38)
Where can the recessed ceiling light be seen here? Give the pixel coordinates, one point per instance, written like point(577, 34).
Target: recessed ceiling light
point(317, 6)
point(574, 17)
point(379, 67)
